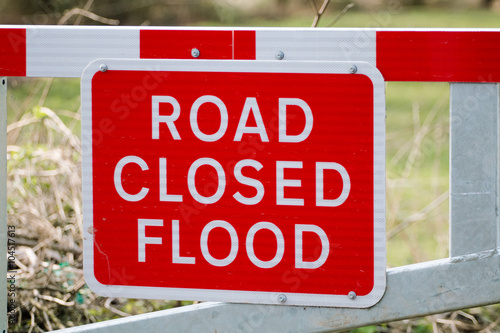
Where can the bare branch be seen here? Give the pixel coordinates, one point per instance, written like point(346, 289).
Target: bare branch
point(342, 13)
point(108, 306)
point(320, 12)
point(86, 13)
point(86, 7)
point(418, 216)
point(55, 300)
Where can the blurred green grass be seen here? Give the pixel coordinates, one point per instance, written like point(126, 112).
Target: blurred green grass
point(417, 145)
point(387, 17)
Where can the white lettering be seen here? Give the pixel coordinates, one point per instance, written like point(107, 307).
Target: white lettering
point(118, 178)
point(248, 181)
point(280, 249)
point(283, 103)
point(281, 183)
point(169, 120)
point(142, 239)
point(163, 184)
point(325, 246)
point(176, 257)
point(221, 185)
point(346, 181)
point(204, 243)
point(224, 118)
point(251, 105)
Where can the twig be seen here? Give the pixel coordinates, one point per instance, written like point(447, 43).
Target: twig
point(48, 85)
point(468, 316)
point(47, 321)
point(58, 125)
point(342, 13)
point(33, 322)
point(86, 13)
point(79, 284)
point(41, 173)
point(51, 314)
point(54, 246)
point(415, 150)
point(434, 327)
point(34, 90)
point(86, 7)
point(21, 123)
point(56, 300)
point(319, 13)
point(108, 306)
point(70, 114)
point(418, 216)
point(491, 326)
point(58, 199)
point(451, 323)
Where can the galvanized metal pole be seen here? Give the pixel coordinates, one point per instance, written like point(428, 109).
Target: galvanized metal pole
point(474, 146)
point(3, 205)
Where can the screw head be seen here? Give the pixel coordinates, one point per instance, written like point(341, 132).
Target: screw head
point(282, 298)
point(103, 67)
point(352, 295)
point(195, 53)
point(353, 69)
point(279, 55)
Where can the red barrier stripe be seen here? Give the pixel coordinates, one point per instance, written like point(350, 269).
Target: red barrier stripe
point(244, 45)
point(177, 44)
point(446, 56)
point(12, 52)
point(212, 44)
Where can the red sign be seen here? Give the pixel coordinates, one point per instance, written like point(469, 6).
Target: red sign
point(239, 181)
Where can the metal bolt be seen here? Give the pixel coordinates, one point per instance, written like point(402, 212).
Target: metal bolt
point(195, 53)
point(353, 69)
point(352, 295)
point(103, 67)
point(282, 298)
point(279, 55)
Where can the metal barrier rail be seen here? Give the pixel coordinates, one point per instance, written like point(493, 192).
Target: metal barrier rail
point(469, 278)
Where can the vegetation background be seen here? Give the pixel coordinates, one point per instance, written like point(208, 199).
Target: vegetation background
point(44, 155)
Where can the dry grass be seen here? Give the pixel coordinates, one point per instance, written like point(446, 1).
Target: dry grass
point(44, 204)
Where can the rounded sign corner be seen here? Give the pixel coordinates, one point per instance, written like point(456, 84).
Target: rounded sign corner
point(94, 285)
point(375, 295)
point(369, 70)
point(94, 67)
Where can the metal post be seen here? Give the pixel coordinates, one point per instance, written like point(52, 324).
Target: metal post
point(3, 204)
point(474, 110)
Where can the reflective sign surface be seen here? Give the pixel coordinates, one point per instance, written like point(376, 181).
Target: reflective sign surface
point(235, 181)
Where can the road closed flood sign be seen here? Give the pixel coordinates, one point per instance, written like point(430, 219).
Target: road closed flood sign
point(238, 181)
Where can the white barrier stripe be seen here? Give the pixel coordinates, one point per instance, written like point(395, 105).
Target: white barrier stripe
point(64, 52)
point(317, 44)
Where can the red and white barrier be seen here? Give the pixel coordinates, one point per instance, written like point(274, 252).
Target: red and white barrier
point(446, 55)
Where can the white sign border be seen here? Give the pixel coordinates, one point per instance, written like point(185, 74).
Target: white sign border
point(243, 66)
